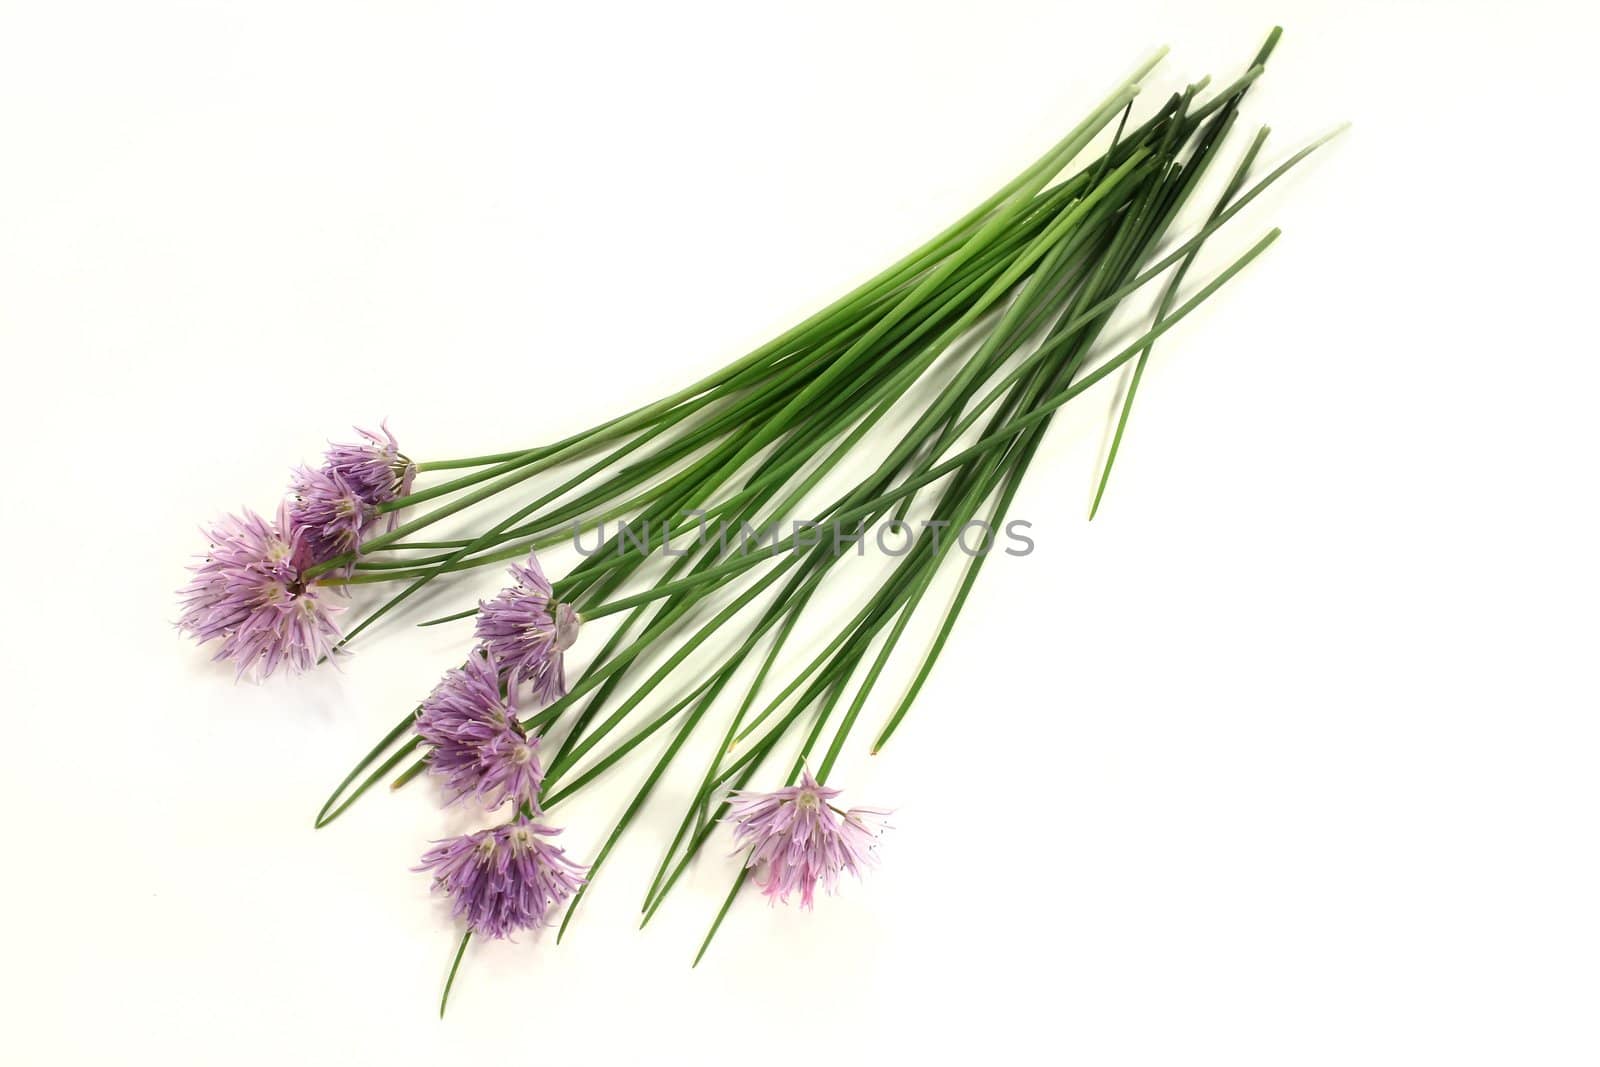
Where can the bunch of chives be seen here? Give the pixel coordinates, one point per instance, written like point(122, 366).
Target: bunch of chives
point(976, 338)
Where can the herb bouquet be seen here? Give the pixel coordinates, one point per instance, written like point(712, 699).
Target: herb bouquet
point(902, 416)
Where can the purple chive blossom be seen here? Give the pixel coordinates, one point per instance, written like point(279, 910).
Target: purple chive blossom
point(247, 592)
point(376, 471)
point(332, 515)
point(505, 879)
point(526, 634)
point(476, 744)
point(337, 503)
point(800, 838)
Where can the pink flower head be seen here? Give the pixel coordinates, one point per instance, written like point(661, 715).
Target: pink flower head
point(505, 879)
point(476, 743)
point(800, 838)
point(337, 503)
point(375, 470)
point(526, 634)
point(248, 591)
point(332, 515)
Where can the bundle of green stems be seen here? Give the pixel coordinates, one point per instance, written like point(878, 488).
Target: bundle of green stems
point(927, 391)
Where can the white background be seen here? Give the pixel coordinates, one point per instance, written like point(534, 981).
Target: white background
point(1289, 757)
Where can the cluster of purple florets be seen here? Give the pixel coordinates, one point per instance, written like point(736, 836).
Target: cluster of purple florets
point(256, 588)
point(508, 878)
point(797, 838)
